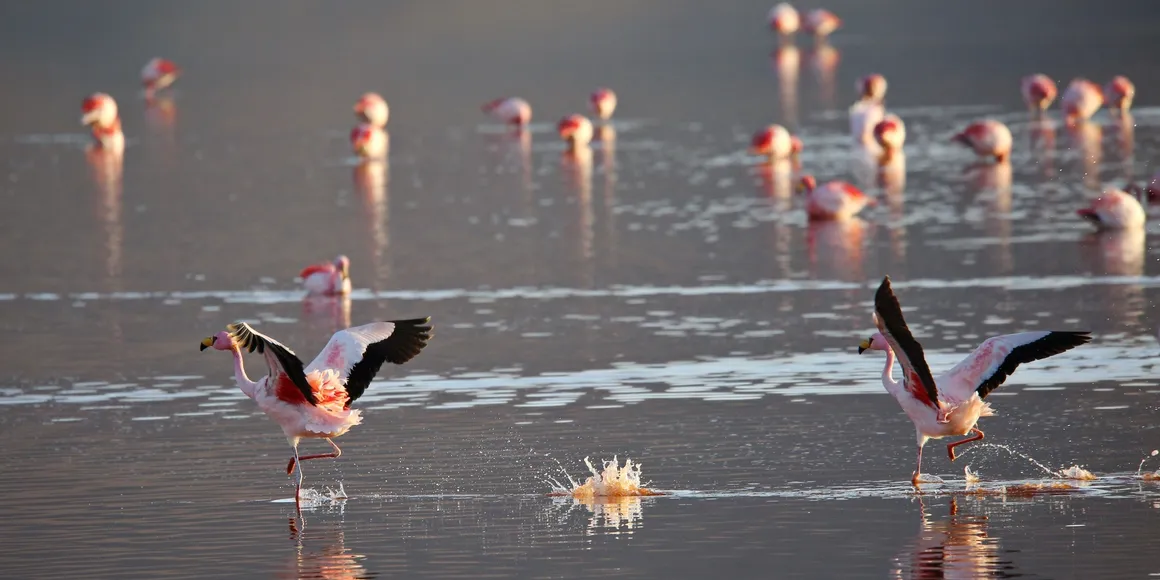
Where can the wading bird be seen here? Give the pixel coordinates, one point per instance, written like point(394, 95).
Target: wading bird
point(99, 111)
point(372, 109)
point(157, 74)
point(603, 103)
point(1039, 91)
point(1116, 209)
point(952, 404)
point(511, 110)
point(833, 200)
point(987, 138)
point(576, 131)
point(314, 401)
point(776, 143)
point(327, 278)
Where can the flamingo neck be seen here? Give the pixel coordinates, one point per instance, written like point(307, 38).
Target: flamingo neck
point(244, 383)
point(888, 372)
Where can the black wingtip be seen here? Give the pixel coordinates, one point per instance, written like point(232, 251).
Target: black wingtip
point(409, 338)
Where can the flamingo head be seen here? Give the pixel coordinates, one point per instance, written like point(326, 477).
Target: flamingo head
point(575, 129)
point(762, 142)
point(157, 69)
point(371, 108)
point(1119, 91)
point(875, 342)
point(219, 341)
point(343, 264)
point(603, 101)
point(806, 184)
point(99, 109)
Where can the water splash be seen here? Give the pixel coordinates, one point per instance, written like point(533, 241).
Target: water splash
point(1077, 473)
point(610, 481)
point(1019, 454)
point(971, 477)
point(1152, 475)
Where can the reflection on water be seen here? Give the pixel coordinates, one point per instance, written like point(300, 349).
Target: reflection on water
point(835, 249)
point(371, 177)
point(328, 314)
point(1124, 129)
point(107, 169)
point(320, 552)
point(1086, 140)
point(611, 515)
point(786, 61)
point(958, 546)
point(823, 59)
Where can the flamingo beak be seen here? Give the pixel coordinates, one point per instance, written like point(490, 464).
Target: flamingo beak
point(206, 342)
point(864, 346)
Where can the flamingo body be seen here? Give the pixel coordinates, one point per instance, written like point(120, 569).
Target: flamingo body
point(820, 22)
point(576, 130)
point(1115, 210)
point(784, 19)
point(603, 103)
point(1081, 100)
point(1119, 93)
point(1039, 91)
point(327, 278)
point(99, 113)
point(987, 138)
point(158, 74)
point(890, 134)
point(372, 109)
point(834, 200)
point(510, 110)
point(368, 141)
point(775, 142)
point(864, 116)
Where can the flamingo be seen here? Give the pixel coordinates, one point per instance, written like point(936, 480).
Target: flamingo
point(314, 401)
point(510, 110)
point(890, 133)
point(603, 103)
point(368, 141)
point(1119, 93)
point(99, 111)
point(327, 278)
point(871, 87)
point(158, 73)
point(952, 404)
point(784, 19)
point(820, 22)
point(864, 116)
point(1039, 91)
point(987, 138)
point(834, 200)
point(372, 109)
point(777, 143)
point(1116, 210)
point(576, 130)
point(1081, 100)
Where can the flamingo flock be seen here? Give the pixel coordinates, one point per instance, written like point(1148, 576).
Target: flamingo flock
point(314, 401)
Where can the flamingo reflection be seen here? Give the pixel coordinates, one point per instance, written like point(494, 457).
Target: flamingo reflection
point(1041, 132)
point(1124, 128)
point(614, 515)
point(835, 249)
point(957, 547)
point(371, 178)
point(776, 180)
point(577, 166)
point(607, 135)
point(992, 182)
point(1118, 253)
point(329, 313)
point(823, 60)
point(321, 552)
point(106, 169)
point(786, 64)
point(1085, 138)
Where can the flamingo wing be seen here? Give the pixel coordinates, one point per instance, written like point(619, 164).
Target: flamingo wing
point(989, 365)
point(888, 318)
point(358, 353)
point(325, 267)
point(280, 359)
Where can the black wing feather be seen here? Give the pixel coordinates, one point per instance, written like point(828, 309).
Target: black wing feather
point(890, 312)
point(1050, 345)
point(406, 340)
point(253, 340)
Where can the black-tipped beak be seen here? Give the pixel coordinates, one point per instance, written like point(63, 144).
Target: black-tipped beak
point(864, 346)
point(206, 342)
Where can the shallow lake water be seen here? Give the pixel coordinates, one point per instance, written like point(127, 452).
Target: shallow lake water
point(664, 300)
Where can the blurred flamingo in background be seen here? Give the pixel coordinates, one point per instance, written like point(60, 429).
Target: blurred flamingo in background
point(1081, 100)
point(372, 109)
point(603, 103)
point(327, 278)
point(784, 19)
point(1116, 210)
point(511, 110)
point(99, 112)
point(820, 23)
point(987, 138)
point(576, 130)
point(833, 200)
point(871, 87)
point(158, 74)
point(314, 401)
point(890, 134)
point(776, 143)
point(1119, 94)
point(1039, 92)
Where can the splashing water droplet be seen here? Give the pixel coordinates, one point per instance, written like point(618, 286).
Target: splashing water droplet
point(610, 481)
point(1077, 473)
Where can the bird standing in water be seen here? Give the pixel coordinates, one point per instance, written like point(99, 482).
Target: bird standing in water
point(313, 401)
point(952, 404)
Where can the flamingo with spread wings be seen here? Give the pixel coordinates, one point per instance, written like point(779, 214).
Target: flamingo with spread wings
point(952, 404)
point(313, 401)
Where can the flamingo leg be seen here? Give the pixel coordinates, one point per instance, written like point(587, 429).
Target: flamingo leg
point(296, 459)
point(298, 489)
point(951, 448)
point(917, 469)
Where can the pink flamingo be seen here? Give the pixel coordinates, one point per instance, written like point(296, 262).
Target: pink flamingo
point(576, 130)
point(1116, 210)
point(1119, 93)
point(784, 19)
point(327, 278)
point(987, 138)
point(890, 133)
point(368, 141)
point(372, 109)
point(834, 200)
point(871, 87)
point(777, 143)
point(314, 401)
point(603, 103)
point(510, 110)
point(952, 404)
point(99, 111)
point(820, 23)
point(1039, 91)
point(1081, 100)
point(158, 74)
